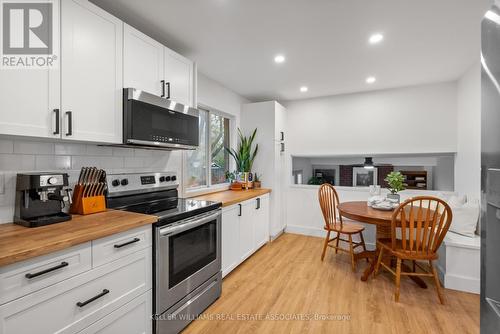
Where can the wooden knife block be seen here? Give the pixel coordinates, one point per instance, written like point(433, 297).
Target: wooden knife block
point(86, 205)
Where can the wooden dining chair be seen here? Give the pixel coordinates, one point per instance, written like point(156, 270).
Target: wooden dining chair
point(329, 201)
point(422, 223)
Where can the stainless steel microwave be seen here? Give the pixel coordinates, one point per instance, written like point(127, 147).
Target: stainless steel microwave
point(155, 122)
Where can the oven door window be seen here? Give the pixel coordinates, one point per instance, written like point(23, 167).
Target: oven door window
point(150, 122)
point(190, 251)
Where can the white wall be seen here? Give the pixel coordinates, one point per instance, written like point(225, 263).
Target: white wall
point(468, 159)
point(213, 94)
point(421, 119)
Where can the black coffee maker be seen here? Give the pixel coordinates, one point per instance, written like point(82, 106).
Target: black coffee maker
point(40, 199)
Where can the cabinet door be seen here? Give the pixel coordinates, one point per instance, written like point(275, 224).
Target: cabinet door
point(247, 230)
point(142, 62)
point(261, 217)
point(91, 65)
point(179, 78)
point(230, 239)
point(29, 97)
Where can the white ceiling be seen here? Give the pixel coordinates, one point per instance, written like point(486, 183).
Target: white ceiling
point(325, 41)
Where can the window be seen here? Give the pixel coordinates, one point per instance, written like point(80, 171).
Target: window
point(207, 165)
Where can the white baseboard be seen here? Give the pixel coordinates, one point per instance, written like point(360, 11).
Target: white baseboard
point(315, 232)
point(462, 283)
point(310, 231)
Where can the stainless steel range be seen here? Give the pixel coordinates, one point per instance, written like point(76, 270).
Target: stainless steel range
point(187, 245)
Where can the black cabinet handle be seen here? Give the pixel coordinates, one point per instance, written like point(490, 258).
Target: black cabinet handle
point(48, 270)
point(258, 204)
point(282, 135)
point(282, 147)
point(56, 131)
point(168, 90)
point(70, 123)
point(239, 214)
point(127, 243)
point(162, 88)
point(103, 293)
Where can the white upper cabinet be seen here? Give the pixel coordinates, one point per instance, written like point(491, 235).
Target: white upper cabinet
point(179, 78)
point(30, 98)
point(142, 62)
point(91, 66)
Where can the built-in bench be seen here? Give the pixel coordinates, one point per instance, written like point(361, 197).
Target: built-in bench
point(459, 262)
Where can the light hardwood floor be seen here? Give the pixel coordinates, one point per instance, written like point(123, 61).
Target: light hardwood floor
point(287, 278)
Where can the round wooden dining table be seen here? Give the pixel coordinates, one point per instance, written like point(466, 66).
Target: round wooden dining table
point(361, 212)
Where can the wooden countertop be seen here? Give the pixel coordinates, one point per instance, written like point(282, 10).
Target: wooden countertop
point(18, 243)
point(230, 197)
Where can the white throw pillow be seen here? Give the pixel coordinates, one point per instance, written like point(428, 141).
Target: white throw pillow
point(465, 218)
point(457, 201)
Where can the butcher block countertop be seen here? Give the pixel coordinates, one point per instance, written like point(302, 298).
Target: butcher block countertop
point(18, 243)
point(230, 197)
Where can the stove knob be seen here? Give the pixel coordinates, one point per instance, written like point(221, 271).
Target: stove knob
point(115, 183)
point(162, 178)
point(124, 182)
point(174, 178)
point(168, 179)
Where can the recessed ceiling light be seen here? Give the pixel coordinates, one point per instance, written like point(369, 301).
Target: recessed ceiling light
point(279, 59)
point(304, 89)
point(370, 80)
point(376, 38)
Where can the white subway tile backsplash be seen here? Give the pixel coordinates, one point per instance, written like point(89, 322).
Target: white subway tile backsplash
point(99, 150)
point(51, 162)
point(70, 149)
point(27, 156)
point(143, 153)
point(134, 162)
point(6, 146)
point(17, 162)
point(33, 147)
point(123, 152)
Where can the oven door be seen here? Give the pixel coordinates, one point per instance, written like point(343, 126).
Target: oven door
point(188, 253)
point(150, 120)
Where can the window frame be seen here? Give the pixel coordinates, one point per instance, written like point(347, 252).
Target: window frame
point(209, 187)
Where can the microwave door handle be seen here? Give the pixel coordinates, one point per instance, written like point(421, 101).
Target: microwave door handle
point(189, 224)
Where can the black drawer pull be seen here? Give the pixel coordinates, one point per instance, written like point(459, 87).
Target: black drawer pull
point(70, 123)
point(56, 131)
point(103, 293)
point(258, 204)
point(127, 243)
point(48, 270)
point(239, 213)
point(168, 90)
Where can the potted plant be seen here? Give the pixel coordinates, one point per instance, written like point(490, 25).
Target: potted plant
point(256, 181)
point(395, 181)
point(244, 155)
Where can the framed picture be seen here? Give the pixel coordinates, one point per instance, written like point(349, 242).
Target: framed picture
point(362, 177)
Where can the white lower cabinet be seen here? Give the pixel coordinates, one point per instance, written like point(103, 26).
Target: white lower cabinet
point(111, 298)
point(245, 228)
point(133, 317)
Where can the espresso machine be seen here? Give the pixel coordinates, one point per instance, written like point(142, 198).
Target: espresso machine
point(41, 198)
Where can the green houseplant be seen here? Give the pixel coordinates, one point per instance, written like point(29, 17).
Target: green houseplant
point(245, 153)
point(395, 181)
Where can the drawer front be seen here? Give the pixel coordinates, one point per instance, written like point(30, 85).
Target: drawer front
point(20, 279)
point(116, 246)
point(76, 303)
point(132, 318)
